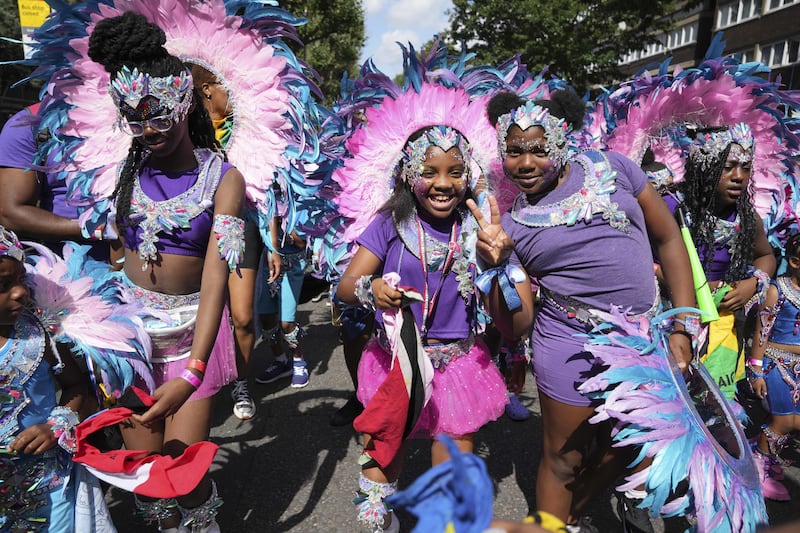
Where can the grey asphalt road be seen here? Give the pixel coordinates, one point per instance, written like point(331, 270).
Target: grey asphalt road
point(289, 470)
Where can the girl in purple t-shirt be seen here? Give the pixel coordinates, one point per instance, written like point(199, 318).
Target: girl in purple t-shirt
point(582, 226)
point(421, 235)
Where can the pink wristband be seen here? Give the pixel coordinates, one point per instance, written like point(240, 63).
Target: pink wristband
point(755, 362)
point(193, 380)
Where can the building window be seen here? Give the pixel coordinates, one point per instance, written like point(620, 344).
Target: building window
point(781, 53)
point(683, 36)
point(777, 4)
point(733, 13)
point(745, 56)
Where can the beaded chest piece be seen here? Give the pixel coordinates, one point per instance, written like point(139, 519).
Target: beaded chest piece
point(593, 198)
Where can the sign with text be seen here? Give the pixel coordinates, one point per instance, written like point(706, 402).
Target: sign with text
point(32, 14)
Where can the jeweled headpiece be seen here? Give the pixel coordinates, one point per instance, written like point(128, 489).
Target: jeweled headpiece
point(10, 245)
point(444, 137)
point(531, 114)
point(171, 95)
point(707, 147)
point(661, 178)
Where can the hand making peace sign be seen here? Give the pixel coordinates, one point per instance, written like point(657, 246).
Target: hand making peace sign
point(493, 245)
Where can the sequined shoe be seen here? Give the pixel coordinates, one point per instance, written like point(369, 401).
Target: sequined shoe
point(770, 487)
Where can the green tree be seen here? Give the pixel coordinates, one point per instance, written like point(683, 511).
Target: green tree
point(12, 99)
point(332, 39)
point(581, 40)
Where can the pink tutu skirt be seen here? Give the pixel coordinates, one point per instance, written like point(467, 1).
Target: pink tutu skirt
point(171, 349)
point(467, 393)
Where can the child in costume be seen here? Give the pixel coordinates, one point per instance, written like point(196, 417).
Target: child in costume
point(242, 281)
point(582, 226)
point(178, 216)
point(773, 370)
point(36, 427)
point(418, 242)
point(277, 307)
point(730, 240)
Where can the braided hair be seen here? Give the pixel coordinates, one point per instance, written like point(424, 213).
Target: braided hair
point(699, 190)
point(402, 204)
point(131, 40)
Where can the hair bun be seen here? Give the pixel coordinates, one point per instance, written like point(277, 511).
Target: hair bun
point(568, 105)
point(502, 103)
point(129, 39)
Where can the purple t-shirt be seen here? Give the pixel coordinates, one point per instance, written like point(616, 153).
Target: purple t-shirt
point(592, 262)
point(18, 150)
point(451, 318)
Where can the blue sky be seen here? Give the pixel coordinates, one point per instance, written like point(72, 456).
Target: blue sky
point(388, 21)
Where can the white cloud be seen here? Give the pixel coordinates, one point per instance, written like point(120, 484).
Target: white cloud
point(373, 6)
point(388, 21)
point(422, 14)
point(389, 57)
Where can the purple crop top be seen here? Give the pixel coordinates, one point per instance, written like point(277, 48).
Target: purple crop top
point(173, 211)
point(786, 329)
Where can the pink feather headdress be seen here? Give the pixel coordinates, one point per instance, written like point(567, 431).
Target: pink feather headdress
point(654, 111)
point(274, 134)
point(367, 180)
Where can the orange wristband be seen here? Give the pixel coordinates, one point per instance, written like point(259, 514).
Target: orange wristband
point(197, 364)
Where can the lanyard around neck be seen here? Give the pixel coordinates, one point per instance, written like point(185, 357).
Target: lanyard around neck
point(428, 300)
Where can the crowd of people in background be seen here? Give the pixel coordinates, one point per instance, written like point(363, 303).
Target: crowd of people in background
point(471, 232)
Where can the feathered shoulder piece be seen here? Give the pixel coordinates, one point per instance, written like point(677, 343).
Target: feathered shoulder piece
point(701, 464)
point(654, 111)
point(81, 301)
point(275, 120)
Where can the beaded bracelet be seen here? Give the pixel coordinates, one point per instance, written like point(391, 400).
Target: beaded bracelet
point(197, 364)
point(755, 362)
point(62, 422)
point(363, 292)
point(691, 323)
point(752, 375)
point(191, 378)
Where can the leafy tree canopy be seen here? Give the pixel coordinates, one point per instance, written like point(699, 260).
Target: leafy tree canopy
point(332, 39)
point(11, 99)
point(581, 40)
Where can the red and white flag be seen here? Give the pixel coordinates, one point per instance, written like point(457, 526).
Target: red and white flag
point(139, 471)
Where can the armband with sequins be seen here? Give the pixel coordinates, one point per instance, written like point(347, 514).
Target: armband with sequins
point(62, 422)
point(229, 231)
point(507, 276)
point(363, 292)
point(767, 317)
point(762, 287)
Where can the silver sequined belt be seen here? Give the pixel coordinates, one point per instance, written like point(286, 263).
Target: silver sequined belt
point(440, 354)
point(582, 312)
point(783, 357)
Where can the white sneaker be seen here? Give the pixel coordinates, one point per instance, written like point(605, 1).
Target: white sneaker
point(244, 408)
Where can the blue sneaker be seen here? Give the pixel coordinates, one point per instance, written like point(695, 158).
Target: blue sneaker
point(515, 410)
point(299, 373)
point(276, 370)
